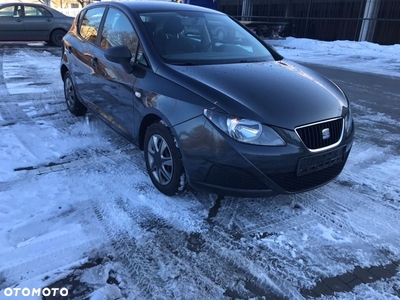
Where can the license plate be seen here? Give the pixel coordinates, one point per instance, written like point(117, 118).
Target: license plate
point(311, 164)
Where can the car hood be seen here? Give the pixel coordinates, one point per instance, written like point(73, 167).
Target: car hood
point(278, 93)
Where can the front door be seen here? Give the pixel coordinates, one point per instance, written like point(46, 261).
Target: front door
point(11, 25)
point(111, 85)
point(82, 49)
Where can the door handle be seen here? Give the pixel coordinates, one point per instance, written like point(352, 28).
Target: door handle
point(19, 20)
point(95, 62)
point(48, 20)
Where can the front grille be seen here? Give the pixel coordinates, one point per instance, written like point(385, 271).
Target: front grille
point(230, 177)
point(312, 135)
point(290, 182)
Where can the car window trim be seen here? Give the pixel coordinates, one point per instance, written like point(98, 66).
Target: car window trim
point(82, 14)
point(103, 19)
point(79, 21)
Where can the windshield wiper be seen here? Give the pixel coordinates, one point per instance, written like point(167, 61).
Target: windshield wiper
point(250, 61)
point(185, 63)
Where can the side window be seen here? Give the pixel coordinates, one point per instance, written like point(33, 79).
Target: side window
point(118, 31)
point(10, 11)
point(31, 11)
point(90, 23)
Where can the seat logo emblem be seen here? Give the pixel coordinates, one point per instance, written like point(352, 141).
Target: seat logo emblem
point(326, 134)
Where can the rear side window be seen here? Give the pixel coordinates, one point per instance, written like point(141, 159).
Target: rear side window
point(90, 23)
point(31, 11)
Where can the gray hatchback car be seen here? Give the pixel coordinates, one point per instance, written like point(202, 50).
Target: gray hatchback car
point(32, 22)
point(231, 116)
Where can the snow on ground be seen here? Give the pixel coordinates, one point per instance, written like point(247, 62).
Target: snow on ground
point(356, 56)
point(48, 225)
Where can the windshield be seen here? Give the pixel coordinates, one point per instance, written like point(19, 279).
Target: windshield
point(187, 38)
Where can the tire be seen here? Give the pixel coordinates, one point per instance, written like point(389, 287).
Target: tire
point(163, 160)
point(56, 37)
point(74, 105)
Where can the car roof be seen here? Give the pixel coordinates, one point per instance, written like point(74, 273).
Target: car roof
point(24, 3)
point(148, 6)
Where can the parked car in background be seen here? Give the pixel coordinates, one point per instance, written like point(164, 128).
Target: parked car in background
point(32, 22)
point(228, 116)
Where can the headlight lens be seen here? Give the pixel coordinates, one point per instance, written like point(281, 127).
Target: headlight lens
point(348, 121)
point(244, 130)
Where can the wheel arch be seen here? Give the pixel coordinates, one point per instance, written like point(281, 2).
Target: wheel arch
point(63, 70)
point(146, 122)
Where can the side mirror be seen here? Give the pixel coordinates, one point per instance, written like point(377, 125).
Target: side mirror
point(120, 55)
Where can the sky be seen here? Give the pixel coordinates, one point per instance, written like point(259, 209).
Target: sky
point(52, 223)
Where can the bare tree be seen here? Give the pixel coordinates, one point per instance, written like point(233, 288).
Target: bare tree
point(82, 2)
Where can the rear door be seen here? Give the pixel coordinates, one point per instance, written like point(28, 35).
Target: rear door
point(38, 22)
point(81, 48)
point(11, 25)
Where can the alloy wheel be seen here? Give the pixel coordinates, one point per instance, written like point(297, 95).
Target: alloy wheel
point(160, 159)
point(69, 93)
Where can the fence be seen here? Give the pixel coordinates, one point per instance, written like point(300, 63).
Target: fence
point(376, 21)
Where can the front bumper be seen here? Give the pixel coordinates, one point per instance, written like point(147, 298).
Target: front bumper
point(217, 164)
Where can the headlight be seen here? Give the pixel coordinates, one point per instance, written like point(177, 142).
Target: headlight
point(245, 131)
point(348, 121)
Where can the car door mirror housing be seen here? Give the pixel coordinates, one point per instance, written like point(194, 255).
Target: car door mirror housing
point(120, 55)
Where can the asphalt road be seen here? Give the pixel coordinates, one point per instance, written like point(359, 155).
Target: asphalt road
point(272, 248)
point(379, 93)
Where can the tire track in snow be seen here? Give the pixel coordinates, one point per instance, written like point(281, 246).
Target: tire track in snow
point(146, 261)
point(373, 170)
point(252, 223)
point(8, 115)
point(42, 239)
point(345, 214)
point(205, 272)
point(214, 263)
point(156, 272)
point(270, 268)
point(218, 255)
point(28, 72)
point(12, 109)
point(172, 252)
point(61, 249)
point(327, 207)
